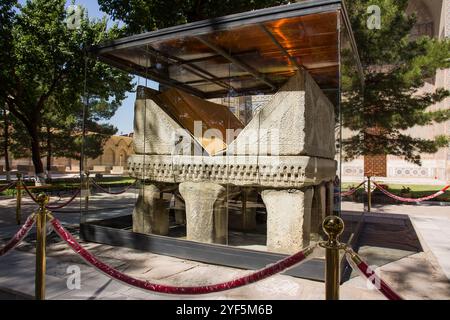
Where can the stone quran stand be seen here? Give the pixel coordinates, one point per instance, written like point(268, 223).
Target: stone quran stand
point(286, 153)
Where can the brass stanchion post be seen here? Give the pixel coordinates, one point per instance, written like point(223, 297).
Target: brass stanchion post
point(40, 247)
point(333, 227)
point(86, 197)
point(369, 195)
point(19, 198)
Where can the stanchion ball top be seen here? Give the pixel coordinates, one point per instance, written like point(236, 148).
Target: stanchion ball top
point(333, 226)
point(42, 198)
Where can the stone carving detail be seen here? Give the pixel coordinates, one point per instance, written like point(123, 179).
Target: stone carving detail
point(206, 215)
point(150, 215)
point(289, 172)
point(290, 231)
point(298, 120)
point(353, 171)
point(154, 130)
point(286, 149)
point(411, 172)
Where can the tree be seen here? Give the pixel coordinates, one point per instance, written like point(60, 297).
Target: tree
point(45, 79)
point(395, 67)
point(5, 135)
point(141, 16)
point(6, 23)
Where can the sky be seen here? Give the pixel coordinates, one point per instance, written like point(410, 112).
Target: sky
point(123, 119)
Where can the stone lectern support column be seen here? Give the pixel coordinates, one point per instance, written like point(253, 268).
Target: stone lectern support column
point(150, 215)
point(319, 210)
point(330, 198)
point(288, 219)
point(249, 199)
point(206, 212)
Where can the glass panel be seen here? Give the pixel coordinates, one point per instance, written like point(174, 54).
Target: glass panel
point(108, 192)
point(352, 197)
point(239, 143)
point(310, 40)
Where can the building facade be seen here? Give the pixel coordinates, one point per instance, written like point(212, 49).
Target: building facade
point(433, 19)
point(114, 158)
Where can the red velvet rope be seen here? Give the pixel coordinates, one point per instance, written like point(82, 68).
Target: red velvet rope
point(357, 263)
point(110, 192)
point(349, 192)
point(145, 285)
point(19, 236)
point(7, 187)
point(411, 199)
point(29, 192)
point(52, 207)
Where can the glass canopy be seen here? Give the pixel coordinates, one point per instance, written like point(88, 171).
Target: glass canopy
point(238, 149)
point(263, 49)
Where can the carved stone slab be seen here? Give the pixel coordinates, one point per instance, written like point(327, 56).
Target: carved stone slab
point(264, 171)
point(298, 120)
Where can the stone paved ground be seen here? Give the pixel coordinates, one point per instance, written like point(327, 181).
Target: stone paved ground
point(17, 273)
point(418, 276)
point(432, 225)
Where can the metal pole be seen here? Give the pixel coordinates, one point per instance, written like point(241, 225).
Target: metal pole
point(369, 195)
point(19, 198)
point(40, 247)
point(86, 197)
point(333, 227)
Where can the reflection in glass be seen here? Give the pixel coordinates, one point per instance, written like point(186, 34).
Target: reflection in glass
point(240, 144)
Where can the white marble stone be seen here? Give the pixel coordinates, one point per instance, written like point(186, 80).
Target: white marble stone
point(206, 212)
point(318, 210)
point(150, 215)
point(298, 120)
point(288, 219)
point(155, 132)
point(266, 171)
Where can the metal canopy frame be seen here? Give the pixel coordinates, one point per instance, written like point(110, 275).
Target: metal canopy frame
point(197, 29)
point(212, 253)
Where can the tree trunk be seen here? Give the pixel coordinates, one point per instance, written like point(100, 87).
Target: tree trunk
point(36, 157)
point(49, 154)
point(32, 124)
point(6, 147)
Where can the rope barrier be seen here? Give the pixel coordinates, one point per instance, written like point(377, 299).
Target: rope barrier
point(4, 188)
point(114, 193)
point(266, 272)
point(349, 192)
point(53, 207)
point(19, 236)
point(442, 191)
point(393, 196)
point(359, 265)
point(29, 193)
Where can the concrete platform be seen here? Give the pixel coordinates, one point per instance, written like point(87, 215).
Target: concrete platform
point(421, 275)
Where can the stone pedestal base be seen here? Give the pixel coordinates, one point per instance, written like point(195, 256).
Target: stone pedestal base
point(150, 215)
point(331, 206)
point(288, 219)
point(179, 209)
point(318, 210)
point(249, 199)
point(206, 212)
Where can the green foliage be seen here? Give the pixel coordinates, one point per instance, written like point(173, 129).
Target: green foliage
point(6, 24)
point(395, 68)
point(44, 81)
